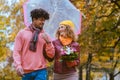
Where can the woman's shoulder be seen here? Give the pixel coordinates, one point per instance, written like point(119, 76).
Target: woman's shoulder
point(56, 40)
point(75, 43)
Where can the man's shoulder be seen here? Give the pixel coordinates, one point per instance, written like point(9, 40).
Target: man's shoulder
point(21, 31)
point(24, 29)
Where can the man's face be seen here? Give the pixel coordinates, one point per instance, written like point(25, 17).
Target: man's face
point(38, 23)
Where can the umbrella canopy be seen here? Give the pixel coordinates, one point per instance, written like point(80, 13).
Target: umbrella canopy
point(58, 9)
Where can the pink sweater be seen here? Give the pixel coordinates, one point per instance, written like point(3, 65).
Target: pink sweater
point(27, 59)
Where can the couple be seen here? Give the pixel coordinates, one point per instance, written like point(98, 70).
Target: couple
point(33, 48)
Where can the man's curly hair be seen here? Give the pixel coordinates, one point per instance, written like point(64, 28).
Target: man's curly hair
point(39, 13)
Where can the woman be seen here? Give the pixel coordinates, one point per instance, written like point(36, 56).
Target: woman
point(66, 52)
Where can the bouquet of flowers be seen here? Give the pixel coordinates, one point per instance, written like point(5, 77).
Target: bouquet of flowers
point(68, 54)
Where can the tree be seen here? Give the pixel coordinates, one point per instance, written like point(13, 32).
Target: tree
point(11, 21)
point(100, 35)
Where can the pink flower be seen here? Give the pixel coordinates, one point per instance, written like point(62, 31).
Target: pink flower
point(68, 53)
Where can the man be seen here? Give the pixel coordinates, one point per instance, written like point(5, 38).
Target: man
point(31, 46)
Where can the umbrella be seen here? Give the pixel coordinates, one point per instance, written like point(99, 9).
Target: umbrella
point(58, 9)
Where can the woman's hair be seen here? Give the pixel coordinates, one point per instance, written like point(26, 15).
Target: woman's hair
point(39, 13)
point(69, 33)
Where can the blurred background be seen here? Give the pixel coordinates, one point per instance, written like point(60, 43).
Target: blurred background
point(99, 38)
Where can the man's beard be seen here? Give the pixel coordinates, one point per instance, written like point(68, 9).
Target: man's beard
point(40, 27)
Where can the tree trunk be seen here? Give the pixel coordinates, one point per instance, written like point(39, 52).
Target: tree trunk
point(88, 67)
point(88, 72)
point(111, 75)
point(80, 73)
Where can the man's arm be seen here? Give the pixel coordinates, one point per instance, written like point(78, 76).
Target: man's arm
point(17, 55)
point(49, 50)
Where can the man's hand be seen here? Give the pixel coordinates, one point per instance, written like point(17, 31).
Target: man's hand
point(20, 72)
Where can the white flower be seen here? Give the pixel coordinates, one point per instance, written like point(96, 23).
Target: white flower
point(68, 50)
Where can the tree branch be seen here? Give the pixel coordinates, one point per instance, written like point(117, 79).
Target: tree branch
point(118, 23)
point(115, 2)
point(115, 27)
point(114, 44)
point(106, 15)
point(115, 65)
point(117, 74)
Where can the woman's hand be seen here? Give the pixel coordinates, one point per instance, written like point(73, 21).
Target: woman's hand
point(71, 63)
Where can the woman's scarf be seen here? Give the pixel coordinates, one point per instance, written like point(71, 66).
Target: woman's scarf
point(34, 39)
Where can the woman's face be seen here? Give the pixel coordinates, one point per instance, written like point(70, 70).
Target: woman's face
point(62, 28)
